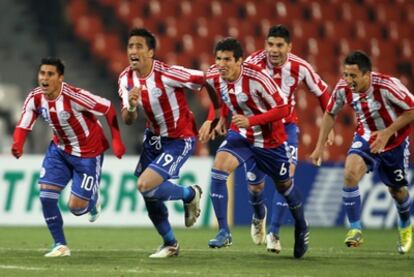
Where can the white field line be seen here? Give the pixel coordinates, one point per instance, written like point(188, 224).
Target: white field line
point(74, 269)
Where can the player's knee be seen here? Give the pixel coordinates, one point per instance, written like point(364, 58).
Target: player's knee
point(142, 185)
point(226, 163)
point(351, 178)
point(256, 187)
point(78, 209)
point(283, 186)
point(398, 193)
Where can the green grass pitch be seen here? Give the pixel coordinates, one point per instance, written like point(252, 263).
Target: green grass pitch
point(124, 252)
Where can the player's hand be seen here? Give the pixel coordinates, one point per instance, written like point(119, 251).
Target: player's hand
point(17, 150)
point(331, 138)
point(221, 128)
point(240, 121)
point(380, 140)
point(316, 156)
point(211, 129)
point(134, 97)
point(204, 134)
point(118, 147)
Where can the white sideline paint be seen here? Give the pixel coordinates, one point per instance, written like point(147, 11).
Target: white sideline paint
point(74, 269)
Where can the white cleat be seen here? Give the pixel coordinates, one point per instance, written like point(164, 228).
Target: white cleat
point(166, 251)
point(192, 209)
point(258, 229)
point(95, 212)
point(273, 243)
point(58, 250)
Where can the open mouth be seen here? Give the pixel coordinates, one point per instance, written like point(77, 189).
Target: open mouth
point(223, 71)
point(274, 57)
point(44, 85)
point(353, 86)
point(134, 60)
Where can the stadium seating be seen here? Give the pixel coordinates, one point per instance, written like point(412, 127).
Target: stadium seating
point(323, 32)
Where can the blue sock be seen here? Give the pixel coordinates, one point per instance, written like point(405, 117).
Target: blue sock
point(279, 209)
point(92, 203)
point(294, 199)
point(352, 202)
point(404, 212)
point(158, 213)
point(256, 199)
point(189, 194)
point(219, 197)
point(169, 191)
point(51, 213)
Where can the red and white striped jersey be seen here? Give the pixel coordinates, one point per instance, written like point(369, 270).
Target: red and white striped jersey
point(72, 118)
point(254, 92)
point(289, 76)
point(162, 97)
point(376, 108)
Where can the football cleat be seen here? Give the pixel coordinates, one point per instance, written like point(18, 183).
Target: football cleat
point(301, 241)
point(58, 250)
point(273, 243)
point(95, 212)
point(258, 229)
point(354, 238)
point(192, 209)
point(405, 239)
point(222, 239)
point(166, 251)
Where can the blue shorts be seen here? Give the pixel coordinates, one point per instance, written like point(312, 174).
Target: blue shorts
point(164, 155)
point(391, 164)
point(273, 162)
point(59, 168)
point(253, 174)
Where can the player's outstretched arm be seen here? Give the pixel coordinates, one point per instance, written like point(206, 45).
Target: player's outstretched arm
point(117, 144)
point(328, 122)
point(19, 138)
point(275, 114)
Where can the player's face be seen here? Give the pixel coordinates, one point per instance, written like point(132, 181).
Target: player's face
point(139, 55)
point(277, 50)
point(355, 78)
point(228, 67)
point(49, 80)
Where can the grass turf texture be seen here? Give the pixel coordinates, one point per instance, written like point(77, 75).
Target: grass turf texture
point(125, 251)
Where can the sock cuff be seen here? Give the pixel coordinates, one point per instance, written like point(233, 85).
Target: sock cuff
point(218, 174)
point(50, 194)
point(350, 192)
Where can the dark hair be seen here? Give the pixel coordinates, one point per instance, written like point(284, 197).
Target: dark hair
point(60, 67)
point(279, 31)
point(230, 44)
point(360, 59)
point(149, 37)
